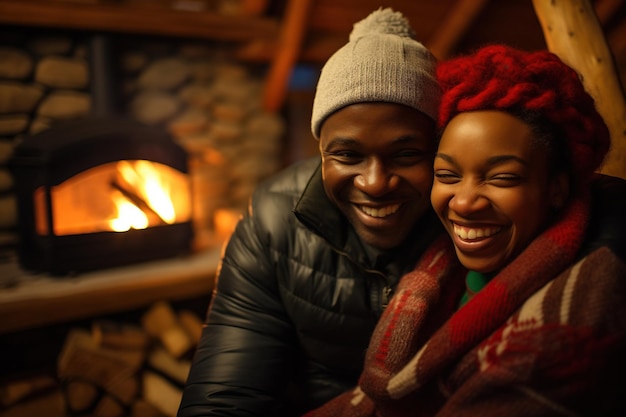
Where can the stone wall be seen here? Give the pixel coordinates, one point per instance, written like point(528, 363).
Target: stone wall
point(209, 102)
point(42, 79)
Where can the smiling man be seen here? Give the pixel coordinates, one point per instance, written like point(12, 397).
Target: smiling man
point(376, 166)
point(311, 266)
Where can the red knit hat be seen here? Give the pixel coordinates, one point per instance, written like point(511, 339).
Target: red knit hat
point(499, 77)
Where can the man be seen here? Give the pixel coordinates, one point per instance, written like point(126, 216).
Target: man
point(312, 265)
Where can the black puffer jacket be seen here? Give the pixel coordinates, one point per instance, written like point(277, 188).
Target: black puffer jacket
point(296, 301)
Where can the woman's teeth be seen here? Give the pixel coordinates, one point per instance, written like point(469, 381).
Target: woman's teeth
point(467, 233)
point(380, 212)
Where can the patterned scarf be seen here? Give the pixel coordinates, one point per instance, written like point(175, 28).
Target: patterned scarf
point(421, 335)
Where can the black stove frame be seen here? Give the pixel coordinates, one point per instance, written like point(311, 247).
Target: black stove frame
point(53, 156)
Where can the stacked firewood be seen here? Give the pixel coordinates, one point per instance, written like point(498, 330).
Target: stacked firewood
point(113, 369)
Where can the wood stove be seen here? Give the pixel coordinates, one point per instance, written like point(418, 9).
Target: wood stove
point(100, 192)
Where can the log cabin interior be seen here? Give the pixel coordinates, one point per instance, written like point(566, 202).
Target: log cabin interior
point(231, 83)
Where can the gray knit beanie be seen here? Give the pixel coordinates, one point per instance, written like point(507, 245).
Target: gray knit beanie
point(382, 62)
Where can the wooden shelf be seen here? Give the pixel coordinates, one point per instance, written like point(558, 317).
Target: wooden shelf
point(137, 19)
point(38, 300)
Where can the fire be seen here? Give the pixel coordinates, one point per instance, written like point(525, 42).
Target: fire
point(129, 215)
point(142, 198)
point(116, 196)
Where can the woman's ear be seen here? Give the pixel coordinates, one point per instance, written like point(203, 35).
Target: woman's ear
point(559, 190)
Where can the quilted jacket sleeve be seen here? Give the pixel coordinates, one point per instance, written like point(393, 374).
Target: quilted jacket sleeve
point(239, 368)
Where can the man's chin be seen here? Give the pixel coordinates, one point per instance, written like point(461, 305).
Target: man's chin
point(382, 241)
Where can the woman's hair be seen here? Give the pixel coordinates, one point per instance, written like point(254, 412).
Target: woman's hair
point(538, 88)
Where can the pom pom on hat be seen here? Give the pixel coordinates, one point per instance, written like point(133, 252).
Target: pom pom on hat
point(382, 62)
point(382, 22)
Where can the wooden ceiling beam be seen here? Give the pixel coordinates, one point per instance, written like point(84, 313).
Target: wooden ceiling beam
point(139, 19)
point(459, 19)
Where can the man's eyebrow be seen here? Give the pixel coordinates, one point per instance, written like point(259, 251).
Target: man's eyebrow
point(342, 141)
point(347, 140)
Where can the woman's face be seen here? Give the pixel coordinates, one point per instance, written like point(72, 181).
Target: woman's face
point(377, 168)
point(492, 188)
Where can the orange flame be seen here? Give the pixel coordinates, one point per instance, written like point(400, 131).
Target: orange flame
point(128, 215)
point(116, 196)
point(147, 184)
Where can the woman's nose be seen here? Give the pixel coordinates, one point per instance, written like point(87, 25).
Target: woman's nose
point(468, 199)
point(376, 179)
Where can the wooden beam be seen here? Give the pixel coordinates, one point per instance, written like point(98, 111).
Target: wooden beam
point(136, 19)
point(290, 43)
point(316, 48)
point(572, 31)
point(254, 7)
point(606, 9)
point(456, 23)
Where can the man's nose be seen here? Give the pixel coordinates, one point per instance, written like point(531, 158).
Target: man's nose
point(376, 179)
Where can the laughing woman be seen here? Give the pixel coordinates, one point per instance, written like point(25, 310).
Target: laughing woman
point(536, 323)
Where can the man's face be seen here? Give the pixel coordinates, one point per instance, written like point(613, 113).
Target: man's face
point(377, 168)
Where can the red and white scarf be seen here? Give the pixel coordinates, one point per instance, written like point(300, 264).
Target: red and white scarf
point(422, 336)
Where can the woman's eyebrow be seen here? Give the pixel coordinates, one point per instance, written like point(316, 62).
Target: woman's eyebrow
point(494, 160)
point(445, 157)
point(498, 159)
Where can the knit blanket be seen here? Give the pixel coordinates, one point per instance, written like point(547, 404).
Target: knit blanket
point(546, 336)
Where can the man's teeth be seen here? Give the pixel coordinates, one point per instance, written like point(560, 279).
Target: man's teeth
point(467, 233)
point(380, 212)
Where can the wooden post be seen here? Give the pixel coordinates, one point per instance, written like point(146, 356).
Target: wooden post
point(573, 32)
point(291, 38)
point(459, 18)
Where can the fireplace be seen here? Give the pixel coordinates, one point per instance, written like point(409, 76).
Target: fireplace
point(95, 193)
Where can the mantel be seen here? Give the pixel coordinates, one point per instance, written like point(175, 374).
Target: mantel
point(137, 19)
point(37, 299)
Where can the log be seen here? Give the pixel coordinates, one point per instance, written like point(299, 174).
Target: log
point(142, 408)
point(134, 197)
point(192, 325)
point(161, 322)
point(8, 211)
point(161, 394)
point(15, 391)
point(109, 407)
point(115, 371)
point(572, 31)
point(120, 336)
point(80, 396)
point(49, 405)
point(176, 369)
point(6, 180)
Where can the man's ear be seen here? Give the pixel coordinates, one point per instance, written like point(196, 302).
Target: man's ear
point(559, 190)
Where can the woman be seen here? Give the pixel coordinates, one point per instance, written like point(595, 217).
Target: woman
point(538, 328)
